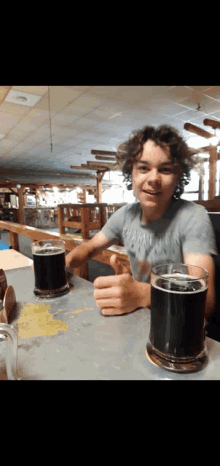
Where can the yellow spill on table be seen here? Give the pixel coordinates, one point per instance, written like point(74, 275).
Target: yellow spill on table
point(35, 321)
point(81, 310)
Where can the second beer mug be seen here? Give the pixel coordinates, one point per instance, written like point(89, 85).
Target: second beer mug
point(178, 302)
point(49, 268)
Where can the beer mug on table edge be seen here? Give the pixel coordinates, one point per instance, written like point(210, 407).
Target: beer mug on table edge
point(49, 268)
point(178, 300)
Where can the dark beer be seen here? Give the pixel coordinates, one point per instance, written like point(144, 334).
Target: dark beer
point(178, 310)
point(49, 267)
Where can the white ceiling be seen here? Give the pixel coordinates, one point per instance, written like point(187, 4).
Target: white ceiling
point(90, 117)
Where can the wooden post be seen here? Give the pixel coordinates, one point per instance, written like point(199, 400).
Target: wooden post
point(84, 195)
point(212, 171)
point(103, 214)
point(21, 206)
point(25, 199)
point(201, 180)
point(85, 222)
point(61, 219)
point(100, 175)
point(14, 242)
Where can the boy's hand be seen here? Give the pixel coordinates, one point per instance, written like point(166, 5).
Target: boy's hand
point(116, 294)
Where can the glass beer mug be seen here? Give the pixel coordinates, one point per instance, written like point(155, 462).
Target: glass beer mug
point(178, 301)
point(49, 268)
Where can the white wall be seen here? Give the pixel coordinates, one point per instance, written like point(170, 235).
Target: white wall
point(119, 193)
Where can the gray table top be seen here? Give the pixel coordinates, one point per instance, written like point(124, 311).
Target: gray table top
point(68, 338)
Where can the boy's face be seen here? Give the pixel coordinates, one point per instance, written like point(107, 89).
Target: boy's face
point(154, 178)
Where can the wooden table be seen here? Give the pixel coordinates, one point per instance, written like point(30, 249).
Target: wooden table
point(11, 259)
point(68, 338)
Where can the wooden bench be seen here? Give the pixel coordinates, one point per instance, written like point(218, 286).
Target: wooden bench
point(85, 217)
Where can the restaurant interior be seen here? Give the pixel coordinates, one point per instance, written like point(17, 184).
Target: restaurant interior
point(58, 173)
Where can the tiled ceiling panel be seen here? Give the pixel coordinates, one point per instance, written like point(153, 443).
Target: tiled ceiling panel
point(83, 118)
point(200, 88)
point(38, 90)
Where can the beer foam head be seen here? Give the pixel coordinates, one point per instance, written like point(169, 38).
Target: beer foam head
point(49, 251)
point(178, 279)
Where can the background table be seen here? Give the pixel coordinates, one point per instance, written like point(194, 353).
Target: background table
point(11, 259)
point(80, 343)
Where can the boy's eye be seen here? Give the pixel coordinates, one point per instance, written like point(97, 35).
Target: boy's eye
point(166, 169)
point(162, 169)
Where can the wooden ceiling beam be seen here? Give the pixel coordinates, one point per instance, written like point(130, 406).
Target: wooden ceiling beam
point(198, 131)
point(199, 151)
point(86, 167)
point(102, 157)
point(110, 166)
point(76, 167)
point(102, 152)
point(213, 123)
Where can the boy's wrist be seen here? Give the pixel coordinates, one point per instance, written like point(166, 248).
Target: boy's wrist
point(144, 293)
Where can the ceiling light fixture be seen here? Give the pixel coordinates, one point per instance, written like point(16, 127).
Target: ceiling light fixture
point(21, 98)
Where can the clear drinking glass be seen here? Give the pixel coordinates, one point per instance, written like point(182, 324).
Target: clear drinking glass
point(178, 302)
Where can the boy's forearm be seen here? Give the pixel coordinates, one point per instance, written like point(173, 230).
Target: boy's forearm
point(78, 256)
point(144, 291)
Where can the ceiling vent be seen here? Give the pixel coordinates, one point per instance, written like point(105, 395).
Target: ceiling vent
point(22, 98)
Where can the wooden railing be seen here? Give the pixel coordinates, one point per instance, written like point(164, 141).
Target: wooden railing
point(211, 206)
point(35, 234)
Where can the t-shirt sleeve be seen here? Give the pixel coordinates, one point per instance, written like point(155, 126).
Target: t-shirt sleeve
point(198, 234)
point(114, 226)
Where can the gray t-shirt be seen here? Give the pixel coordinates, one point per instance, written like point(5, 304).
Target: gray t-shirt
point(184, 228)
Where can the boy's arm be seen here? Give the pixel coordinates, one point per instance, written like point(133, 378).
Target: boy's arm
point(81, 254)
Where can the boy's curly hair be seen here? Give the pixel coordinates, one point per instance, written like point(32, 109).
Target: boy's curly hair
point(164, 136)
